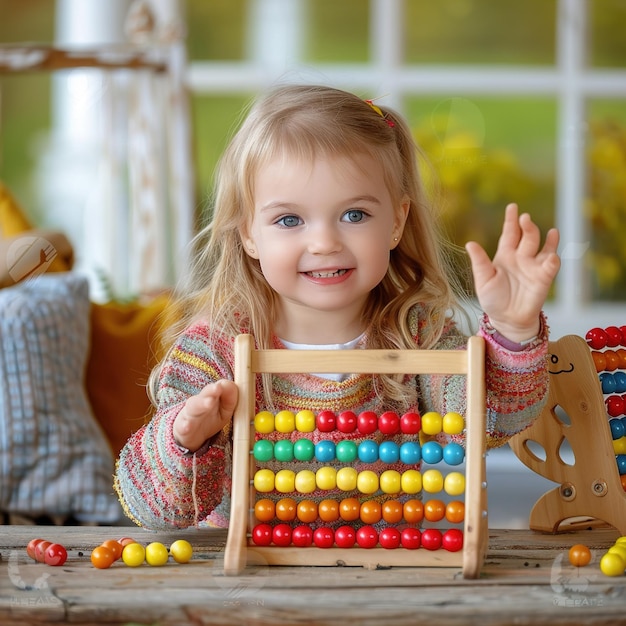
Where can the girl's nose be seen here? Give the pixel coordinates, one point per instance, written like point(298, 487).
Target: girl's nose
point(324, 240)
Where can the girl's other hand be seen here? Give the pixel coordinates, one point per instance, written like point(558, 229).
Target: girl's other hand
point(205, 414)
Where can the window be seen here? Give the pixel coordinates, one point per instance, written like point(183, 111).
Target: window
point(505, 114)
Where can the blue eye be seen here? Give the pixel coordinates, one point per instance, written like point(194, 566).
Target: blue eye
point(354, 215)
point(289, 221)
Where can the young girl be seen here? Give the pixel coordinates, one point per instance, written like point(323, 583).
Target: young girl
point(322, 237)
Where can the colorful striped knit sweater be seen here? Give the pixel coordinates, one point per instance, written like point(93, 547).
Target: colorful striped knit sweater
point(161, 486)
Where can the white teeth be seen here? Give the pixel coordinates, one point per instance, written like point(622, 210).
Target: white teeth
point(327, 274)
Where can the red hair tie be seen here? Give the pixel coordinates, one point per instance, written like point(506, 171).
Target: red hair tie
point(380, 112)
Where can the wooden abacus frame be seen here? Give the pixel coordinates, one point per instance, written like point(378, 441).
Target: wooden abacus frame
point(250, 362)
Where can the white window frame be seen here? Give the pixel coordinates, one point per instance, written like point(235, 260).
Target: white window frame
point(275, 55)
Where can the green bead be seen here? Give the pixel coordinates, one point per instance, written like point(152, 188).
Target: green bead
point(304, 450)
point(283, 450)
point(346, 451)
point(263, 450)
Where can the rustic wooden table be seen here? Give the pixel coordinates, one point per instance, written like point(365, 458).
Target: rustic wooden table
point(526, 579)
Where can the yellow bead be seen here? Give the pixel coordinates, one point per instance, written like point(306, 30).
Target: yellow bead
point(612, 564)
point(411, 481)
point(326, 478)
point(156, 554)
point(264, 480)
point(305, 421)
point(285, 481)
point(181, 551)
point(619, 549)
point(264, 422)
point(346, 479)
point(621, 540)
point(453, 423)
point(431, 423)
point(619, 445)
point(133, 554)
point(305, 481)
point(367, 481)
point(285, 422)
point(390, 481)
point(432, 481)
point(454, 484)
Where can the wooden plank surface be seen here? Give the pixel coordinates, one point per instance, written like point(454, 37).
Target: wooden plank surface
point(526, 579)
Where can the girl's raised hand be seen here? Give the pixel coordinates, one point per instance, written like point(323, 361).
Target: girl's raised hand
point(512, 288)
point(205, 414)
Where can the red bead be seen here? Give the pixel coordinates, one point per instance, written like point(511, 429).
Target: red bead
point(410, 538)
point(367, 537)
point(55, 554)
point(596, 338)
point(345, 536)
point(431, 538)
point(615, 406)
point(452, 540)
point(323, 537)
point(367, 422)
point(410, 423)
point(622, 329)
point(326, 421)
point(281, 535)
point(302, 536)
point(262, 534)
point(389, 423)
point(389, 538)
point(346, 422)
point(613, 336)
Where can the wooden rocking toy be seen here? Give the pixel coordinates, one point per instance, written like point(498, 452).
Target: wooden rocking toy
point(590, 489)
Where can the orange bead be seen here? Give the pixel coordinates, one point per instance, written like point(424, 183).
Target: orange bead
point(612, 360)
point(349, 509)
point(264, 510)
point(328, 510)
point(392, 511)
point(434, 510)
point(371, 512)
point(307, 511)
point(455, 512)
point(621, 353)
point(413, 511)
point(599, 360)
point(623, 480)
point(115, 546)
point(286, 509)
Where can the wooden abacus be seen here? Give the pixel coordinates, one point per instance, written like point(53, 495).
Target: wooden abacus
point(250, 362)
point(589, 489)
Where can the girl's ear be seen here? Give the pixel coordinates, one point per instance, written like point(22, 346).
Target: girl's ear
point(402, 213)
point(248, 244)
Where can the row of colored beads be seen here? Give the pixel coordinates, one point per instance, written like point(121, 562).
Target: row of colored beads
point(611, 336)
point(367, 481)
point(409, 452)
point(365, 537)
point(350, 510)
point(366, 423)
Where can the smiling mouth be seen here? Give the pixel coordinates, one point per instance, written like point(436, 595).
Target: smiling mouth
point(326, 274)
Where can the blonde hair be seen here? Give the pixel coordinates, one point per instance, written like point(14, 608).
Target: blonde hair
point(225, 287)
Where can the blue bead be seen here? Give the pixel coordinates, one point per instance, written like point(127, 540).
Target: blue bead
point(410, 453)
point(618, 428)
point(453, 454)
point(432, 452)
point(368, 451)
point(389, 452)
point(608, 383)
point(620, 382)
point(325, 451)
point(621, 463)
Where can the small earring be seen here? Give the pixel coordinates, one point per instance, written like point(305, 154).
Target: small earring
point(395, 239)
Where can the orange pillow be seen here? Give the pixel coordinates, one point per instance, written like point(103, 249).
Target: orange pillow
point(124, 340)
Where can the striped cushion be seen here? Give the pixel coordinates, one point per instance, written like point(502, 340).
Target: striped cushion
point(54, 458)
